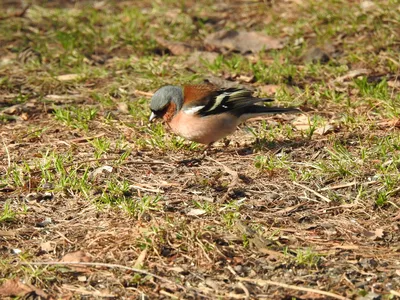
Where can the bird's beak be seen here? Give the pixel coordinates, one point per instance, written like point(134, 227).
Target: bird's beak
point(152, 116)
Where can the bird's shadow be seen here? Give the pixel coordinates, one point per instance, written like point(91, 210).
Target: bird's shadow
point(256, 146)
point(269, 146)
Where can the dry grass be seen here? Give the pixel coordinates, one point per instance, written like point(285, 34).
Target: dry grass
point(285, 210)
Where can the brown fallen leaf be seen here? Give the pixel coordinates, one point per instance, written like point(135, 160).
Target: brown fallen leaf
point(87, 292)
point(246, 79)
point(242, 41)
point(226, 84)
point(8, 232)
point(176, 48)
point(325, 129)
point(196, 212)
point(269, 89)
point(311, 296)
point(14, 287)
point(394, 83)
point(316, 55)
point(198, 57)
point(48, 246)
point(377, 234)
point(68, 77)
point(346, 247)
point(140, 260)
point(123, 107)
point(302, 122)
point(78, 256)
point(389, 123)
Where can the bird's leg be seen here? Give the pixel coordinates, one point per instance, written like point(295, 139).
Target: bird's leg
point(193, 161)
point(205, 151)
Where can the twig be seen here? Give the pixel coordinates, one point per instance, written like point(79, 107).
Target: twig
point(147, 94)
point(132, 186)
point(8, 154)
point(169, 295)
point(234, 174)
point(261, 282)
point(395, 293)
point(64, 237)
point(19, 14)
point(106, 265)
point(245, 290)
point(338, 186)
point(83, 139)
point(234, 182)
point(312, 191)
point(107, 159)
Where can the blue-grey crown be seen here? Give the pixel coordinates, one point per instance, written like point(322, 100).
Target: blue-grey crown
point(165, 95)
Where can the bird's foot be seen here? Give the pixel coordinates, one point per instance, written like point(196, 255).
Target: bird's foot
point(191, 162)
point(196, 161)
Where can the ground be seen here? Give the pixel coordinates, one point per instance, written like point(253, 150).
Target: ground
point(95, 202)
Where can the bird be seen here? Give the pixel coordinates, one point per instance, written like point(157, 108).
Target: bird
point(206, 113)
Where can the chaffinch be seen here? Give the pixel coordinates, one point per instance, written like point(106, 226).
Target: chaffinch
point(205, 113)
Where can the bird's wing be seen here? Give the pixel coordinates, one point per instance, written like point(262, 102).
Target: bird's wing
point(207, 99)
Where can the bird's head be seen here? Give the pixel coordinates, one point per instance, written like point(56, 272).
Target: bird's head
point(166, 100)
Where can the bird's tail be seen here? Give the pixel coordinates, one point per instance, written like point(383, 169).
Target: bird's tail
point(259, 110)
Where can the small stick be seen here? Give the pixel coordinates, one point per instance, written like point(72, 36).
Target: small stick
point(19, 14)
point(395, 293)
point(312, 191)
point(338, 186)
point(292, 287)
point(96, 264)
point(8, 154)
point(147, 94)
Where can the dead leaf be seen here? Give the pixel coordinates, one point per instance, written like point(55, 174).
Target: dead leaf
point(377, 234)
point(346, 247)
point(271, 253)
point(13, 110)
point(48, 246)
point(325, 129)
point(302, 122)
point(389, 123)
point(242, 41)
point(8, 233)
point(367, 6)
point(14, 287)
point(83, 291)
point(312, 296)
point(140, 260)
point(247, 79)
point(100, 171)
point(197, 57)
point(269, 89)
point(226, 84)
point(78, 256)
point(176, 269)
point(196, 212)
point(394, 83)
point(176, 48)
point(24, 116)
point(123, 107)
point(316, 55)
point(68, 77)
